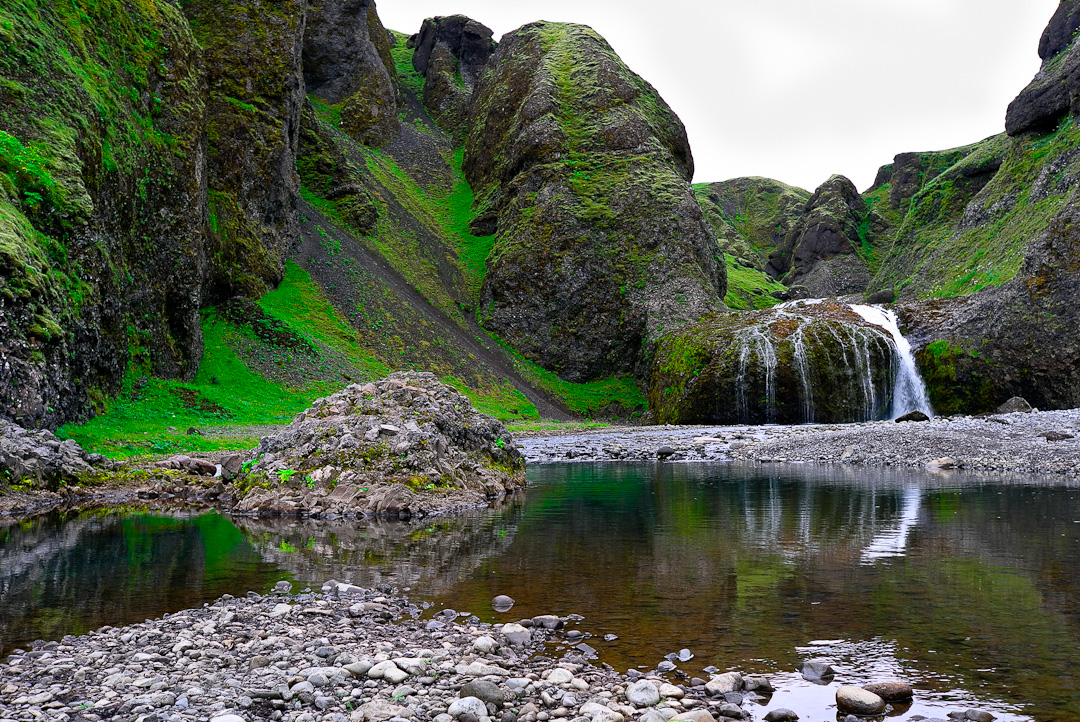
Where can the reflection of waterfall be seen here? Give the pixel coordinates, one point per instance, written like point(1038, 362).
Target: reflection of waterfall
point(893, 542)
point(909, 392)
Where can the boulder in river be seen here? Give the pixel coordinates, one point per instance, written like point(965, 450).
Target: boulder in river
point(858, 701)
point(891, 691)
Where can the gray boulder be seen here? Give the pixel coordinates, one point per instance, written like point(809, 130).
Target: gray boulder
point(858, 701)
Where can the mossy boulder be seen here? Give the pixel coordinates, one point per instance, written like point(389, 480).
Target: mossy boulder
point(252, 52)
point(347, 60)
point(451, 53)
point(797, 364)
point(823, 255)
point(582, 173)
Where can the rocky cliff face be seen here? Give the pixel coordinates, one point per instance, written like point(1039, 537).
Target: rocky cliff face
point(824, 254)
point(582, 172)
point(751, 216)
point(1055, 91)
point(102, 202)
point(347, 60)
point(252, 54)
point(451, 54)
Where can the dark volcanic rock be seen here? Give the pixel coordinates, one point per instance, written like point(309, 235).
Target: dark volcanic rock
point(1055, 91)
point(800, 364)
point(102, 204)
point(584, 173)
point(451, 53)
point(347, 59)
point(916, 416)
point(820, 255)
point(253, 64)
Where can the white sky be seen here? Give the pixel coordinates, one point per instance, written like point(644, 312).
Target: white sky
point(800, 89)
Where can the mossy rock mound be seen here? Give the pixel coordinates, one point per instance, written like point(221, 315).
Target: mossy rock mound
point(582, 173)
point(401, 446)
point(799, 363)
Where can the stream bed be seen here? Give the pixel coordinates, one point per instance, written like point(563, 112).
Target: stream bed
point(964, 585)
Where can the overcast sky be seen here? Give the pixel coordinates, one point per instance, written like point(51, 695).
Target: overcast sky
point(800, 89)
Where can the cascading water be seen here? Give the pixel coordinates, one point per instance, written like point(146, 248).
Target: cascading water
point(754, 342)
point(909, 391)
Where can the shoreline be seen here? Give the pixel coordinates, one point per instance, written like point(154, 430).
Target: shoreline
point(350, 653)
point(1040, 442)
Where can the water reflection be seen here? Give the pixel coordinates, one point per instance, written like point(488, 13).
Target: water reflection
point(964, 585)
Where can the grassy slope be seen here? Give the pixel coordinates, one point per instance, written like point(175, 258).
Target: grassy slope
point(931, 257)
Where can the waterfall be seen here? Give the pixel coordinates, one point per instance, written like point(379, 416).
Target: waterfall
point(909, 391)
point(753, 341)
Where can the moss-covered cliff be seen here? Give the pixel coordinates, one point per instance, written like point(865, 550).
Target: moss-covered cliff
point(582, 173)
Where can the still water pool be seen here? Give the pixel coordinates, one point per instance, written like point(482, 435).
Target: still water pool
point(966, 586)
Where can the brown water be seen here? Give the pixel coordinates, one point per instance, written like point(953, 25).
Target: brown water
point(966, 586)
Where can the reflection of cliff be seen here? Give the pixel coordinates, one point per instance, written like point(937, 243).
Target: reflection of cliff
point(429, 557)
point(69, 575)
point(753, 562)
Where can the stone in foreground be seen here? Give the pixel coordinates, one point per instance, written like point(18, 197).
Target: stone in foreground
point(858, 701)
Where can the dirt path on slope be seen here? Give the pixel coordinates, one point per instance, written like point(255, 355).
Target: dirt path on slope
point(336, 285)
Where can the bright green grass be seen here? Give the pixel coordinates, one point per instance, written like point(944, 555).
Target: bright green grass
point(135, 427)
point(458, 213)
point(503, 402)
point(403, 56)
point(586, 399)
point(749, 288)
point(523, 427)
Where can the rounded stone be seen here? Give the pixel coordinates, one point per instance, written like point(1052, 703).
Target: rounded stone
point(781, 714)
point(891, 691)
point(467, 705)
point(485, 691)
point(857, 700)
point(642, 693)
point(502, 603)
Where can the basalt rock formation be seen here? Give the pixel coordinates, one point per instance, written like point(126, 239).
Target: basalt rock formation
point(823, 255)
point(347, 60)
point(582, 173)
point(1055, 91)
point(451, 54)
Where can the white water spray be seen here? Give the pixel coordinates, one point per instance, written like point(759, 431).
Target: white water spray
point(909, 393)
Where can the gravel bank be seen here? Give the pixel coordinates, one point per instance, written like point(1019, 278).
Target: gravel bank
point(1046, 442)
point(345, 654)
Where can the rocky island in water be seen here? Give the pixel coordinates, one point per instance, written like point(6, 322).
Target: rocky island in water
point(275, 260)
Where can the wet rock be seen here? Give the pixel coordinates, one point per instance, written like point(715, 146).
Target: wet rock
point(722, 684)
point(858, 701)
point(502, 603)
point(890, 691)
point(916, 416)
point(781, 714)
point(516, 634)
point(945, 462)
point(818, 671)
point(758, 684)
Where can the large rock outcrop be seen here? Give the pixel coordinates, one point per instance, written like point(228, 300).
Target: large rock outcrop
point(582, 172)
point(451, 53)
point(381, 448)
point(38, 460)
point(1055, 92)
point(812, 362)
point(252, 53)
point(102, 203)
point(347, 60)
point(824, 253)
point(1016, 340)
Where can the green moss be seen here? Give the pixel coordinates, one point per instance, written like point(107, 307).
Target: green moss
point(749, 288)
point(959, 380)
point(236, 384)
point(403, 61)
point(502, 401)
